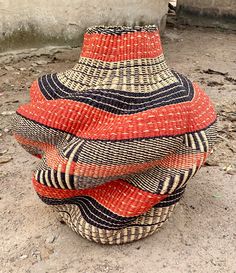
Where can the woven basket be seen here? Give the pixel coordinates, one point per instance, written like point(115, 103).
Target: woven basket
point(119, 135)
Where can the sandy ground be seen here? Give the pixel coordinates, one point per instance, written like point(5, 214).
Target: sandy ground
point(200, 236)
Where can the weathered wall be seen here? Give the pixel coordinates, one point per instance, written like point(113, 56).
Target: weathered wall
point(220, 13)
point(28, 23)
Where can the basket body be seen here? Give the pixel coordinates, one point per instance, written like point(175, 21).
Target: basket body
point(119, 135)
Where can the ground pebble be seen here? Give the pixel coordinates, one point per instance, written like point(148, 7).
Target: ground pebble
point(23, 257)
point(50, 239)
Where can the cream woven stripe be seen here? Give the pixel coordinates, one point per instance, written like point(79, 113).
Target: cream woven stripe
point(139, 75)
point(151, 221)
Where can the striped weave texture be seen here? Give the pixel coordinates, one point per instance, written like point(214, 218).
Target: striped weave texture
point(118, 136)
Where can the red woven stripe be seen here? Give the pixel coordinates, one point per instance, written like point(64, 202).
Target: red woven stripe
point(118, 196)
point(35, 93)
point(88, 122)
point(127, 46)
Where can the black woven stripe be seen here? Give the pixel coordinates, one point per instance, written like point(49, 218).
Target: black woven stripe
point(130, 98)
point(49, 180)
point(170, 183)
point(62, 176)
point(190, 173)
point(52, 88)
point(93, 212)
point(55, 180)
point(71, 150)
point(52, 83)
point(54, 173)
point(204, 144)
point(172, 199)
point(114, 102)
point(71, 181)
point(119, 30)
point(196, 142)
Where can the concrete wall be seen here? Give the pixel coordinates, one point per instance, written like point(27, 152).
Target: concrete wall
point(220, 13)
point(30, 23)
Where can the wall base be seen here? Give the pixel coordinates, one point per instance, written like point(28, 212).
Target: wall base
point(209, 17)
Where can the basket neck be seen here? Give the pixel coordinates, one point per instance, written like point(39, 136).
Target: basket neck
point(120, 58)
point(114, 44)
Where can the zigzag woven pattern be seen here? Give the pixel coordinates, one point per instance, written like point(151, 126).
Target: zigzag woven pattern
point(119, 135)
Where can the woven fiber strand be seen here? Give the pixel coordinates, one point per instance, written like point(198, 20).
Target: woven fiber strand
point(118, 136)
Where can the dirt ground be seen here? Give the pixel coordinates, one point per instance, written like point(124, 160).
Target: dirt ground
point(201, 234)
